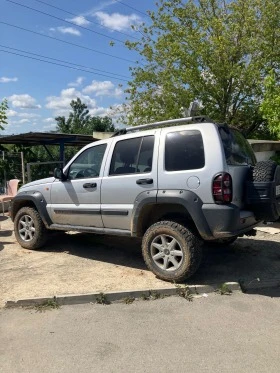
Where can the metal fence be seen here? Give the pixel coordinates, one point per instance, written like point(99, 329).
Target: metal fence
point(40, 170)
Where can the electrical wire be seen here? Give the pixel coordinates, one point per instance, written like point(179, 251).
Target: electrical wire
point(128, 6)
point(77, 15)
point(59, 64)
point(63, 20)
point(69, 63)
point(67, 42)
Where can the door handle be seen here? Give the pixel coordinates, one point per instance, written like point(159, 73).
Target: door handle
point(144, 181)
point(89, 185)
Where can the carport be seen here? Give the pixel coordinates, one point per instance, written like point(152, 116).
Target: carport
point(48, 138)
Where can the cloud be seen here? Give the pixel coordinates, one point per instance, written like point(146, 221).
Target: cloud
point(101, 6)
point(61, 104)
point(77, 82)
point(23, 102)
point(48, 120)
point(4, 79)
point(105, 88)
point(23, 121)
point(66, 30)
point(79, 20)
point(117, 21)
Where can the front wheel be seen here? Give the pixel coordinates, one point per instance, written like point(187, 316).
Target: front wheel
point(29, 228)
point(171, 251)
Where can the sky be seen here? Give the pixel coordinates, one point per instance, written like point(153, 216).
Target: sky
point(37, 91)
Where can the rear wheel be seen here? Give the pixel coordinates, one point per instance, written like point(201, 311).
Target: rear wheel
point(29, 228)
point(171, 251)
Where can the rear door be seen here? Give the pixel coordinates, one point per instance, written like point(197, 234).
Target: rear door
point(131, 169)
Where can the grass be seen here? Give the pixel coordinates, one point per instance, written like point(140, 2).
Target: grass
point(50, 304)
point(224, 289)
point(101, 299)
point(184, 291)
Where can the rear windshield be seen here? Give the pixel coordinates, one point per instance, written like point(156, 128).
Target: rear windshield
point(238, 151)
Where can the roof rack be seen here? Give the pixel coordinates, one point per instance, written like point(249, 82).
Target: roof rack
point(169, 122)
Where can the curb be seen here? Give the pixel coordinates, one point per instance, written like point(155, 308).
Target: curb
point(117, 296)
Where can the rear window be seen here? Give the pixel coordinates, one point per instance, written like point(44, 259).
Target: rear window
point(237, 150)
point(184, 151)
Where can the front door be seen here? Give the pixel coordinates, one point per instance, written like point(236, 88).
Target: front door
point(132, 170)
point(76, 201)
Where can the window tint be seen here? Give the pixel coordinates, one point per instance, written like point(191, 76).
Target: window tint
point(88, 163)
point(184, 151)
point(237, 149)
point(133, 156)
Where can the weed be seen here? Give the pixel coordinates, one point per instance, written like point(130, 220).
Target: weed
point(101, 299)
point(129, 300)
point(49, 304)
point(184, 291)
point(153, 295)
point(224, 289)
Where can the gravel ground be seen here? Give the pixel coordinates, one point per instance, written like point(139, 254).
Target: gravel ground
point(85, 263)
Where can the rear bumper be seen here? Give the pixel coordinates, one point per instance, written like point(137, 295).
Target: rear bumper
point(228, 220)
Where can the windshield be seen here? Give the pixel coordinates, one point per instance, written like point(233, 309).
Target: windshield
point(238, 151)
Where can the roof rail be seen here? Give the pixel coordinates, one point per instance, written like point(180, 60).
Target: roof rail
point(169, 122)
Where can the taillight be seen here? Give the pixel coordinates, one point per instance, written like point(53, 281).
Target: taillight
point(222, 188)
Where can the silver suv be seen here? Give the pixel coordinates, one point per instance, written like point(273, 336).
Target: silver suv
point(175, 183)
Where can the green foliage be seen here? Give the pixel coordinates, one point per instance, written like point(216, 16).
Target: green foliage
point(213, 51)
point(3, 113)
point(81, 122)
point(270, 107)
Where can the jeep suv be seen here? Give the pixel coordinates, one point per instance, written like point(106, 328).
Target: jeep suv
point(175, 183)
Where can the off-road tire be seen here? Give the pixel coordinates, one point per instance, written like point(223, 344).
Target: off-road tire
point(264, 171)
point(40, 233)
point(190, 245)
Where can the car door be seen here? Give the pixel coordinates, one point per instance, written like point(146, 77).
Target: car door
point(76, 201)
point(132, 170)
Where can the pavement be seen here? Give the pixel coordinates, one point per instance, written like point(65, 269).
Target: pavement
point(229, 334)
point(86, 263)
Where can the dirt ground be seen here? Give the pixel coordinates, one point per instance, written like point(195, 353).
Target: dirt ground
point(84, 263)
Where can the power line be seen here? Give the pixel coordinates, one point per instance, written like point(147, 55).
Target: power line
point(77, 15)
point(63, 20)
point(59, 64)
point(128, 6)
point(67, 42)
point(69, 63)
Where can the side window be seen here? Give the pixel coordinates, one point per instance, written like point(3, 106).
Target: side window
point(184, 151)
point(88, 163)
point(133, 156)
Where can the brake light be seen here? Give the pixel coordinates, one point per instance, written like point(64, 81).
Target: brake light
point(222, 188)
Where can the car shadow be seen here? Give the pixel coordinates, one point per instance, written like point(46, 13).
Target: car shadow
point(255, 264)
point(117, 250)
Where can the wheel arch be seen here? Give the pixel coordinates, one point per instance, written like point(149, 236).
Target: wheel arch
point(177, 205)
point(35, 200)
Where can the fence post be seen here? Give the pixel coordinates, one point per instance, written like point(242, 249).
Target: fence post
point(22, 168)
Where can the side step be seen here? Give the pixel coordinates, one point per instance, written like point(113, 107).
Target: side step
point(78, 228)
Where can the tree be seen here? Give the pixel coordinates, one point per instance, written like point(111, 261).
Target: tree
point(81, 122)
point(3, 113)
point(270, 107)
point(214, 51)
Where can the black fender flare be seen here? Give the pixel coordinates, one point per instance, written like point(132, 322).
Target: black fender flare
point(37, 199)
point(188, 199)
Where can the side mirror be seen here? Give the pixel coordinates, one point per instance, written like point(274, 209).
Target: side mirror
point(58, 174)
